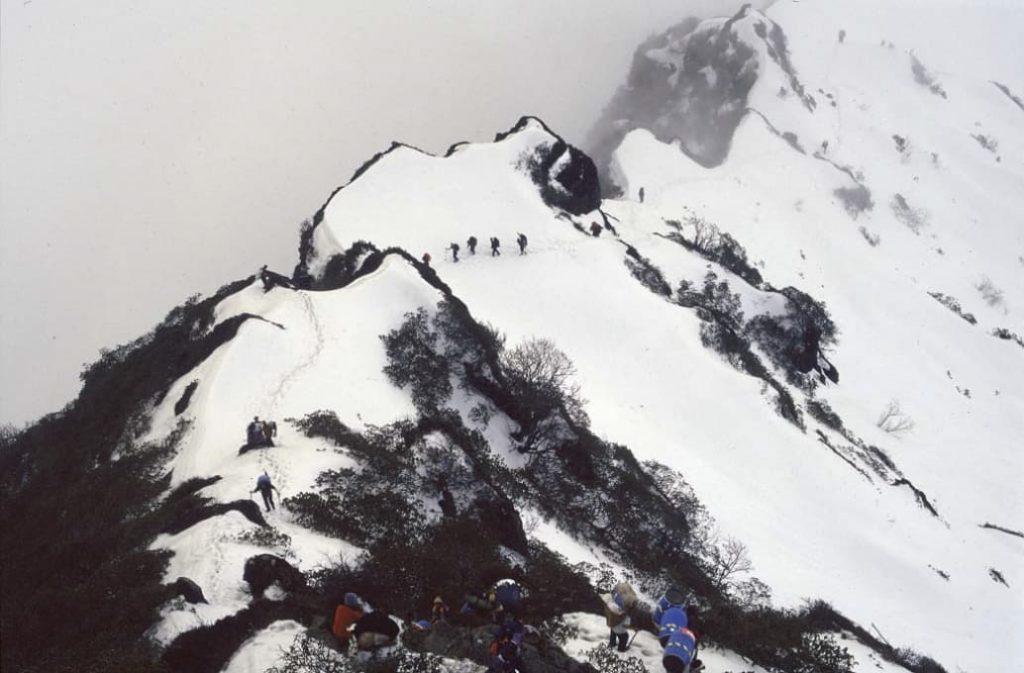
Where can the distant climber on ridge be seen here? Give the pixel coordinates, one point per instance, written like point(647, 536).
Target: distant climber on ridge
point(426, 258)
point(595, 229)
point(455, 251)
point(266, 489)
point(471, 244)
point(521, 240)
point(641, 195)
point(495, 244)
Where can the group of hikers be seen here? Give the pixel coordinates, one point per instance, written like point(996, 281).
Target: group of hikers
point(502, 606)
point(471, 243)
point(671, 617)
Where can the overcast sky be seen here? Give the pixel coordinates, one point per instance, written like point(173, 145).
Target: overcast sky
point(150, 150)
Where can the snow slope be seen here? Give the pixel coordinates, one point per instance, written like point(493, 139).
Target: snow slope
point(815, 526)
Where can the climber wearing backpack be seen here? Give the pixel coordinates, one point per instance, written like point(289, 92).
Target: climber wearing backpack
point(670, 620)
point(345, 615)
point(495, 244)
point(455, 251)
point(509, 597)
point(672, 598)
point(266, 489)
point(521, 240)
point(254, 433)
point(681, 652)
point(439, 611)
point(471, 244)
point(617, 606)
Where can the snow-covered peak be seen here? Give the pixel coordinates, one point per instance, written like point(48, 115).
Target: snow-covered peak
point(422, 203)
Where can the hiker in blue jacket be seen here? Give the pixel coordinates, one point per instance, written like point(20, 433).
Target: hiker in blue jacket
point(671, 598)
point(680, 654)
point(673, 619)
point(266, 489)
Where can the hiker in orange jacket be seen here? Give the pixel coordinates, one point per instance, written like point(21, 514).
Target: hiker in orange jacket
point(345, 616)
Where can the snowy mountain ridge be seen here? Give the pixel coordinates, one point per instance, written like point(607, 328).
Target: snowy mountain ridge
point(804, 337)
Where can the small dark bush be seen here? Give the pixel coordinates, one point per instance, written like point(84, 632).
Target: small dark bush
point(415, 360)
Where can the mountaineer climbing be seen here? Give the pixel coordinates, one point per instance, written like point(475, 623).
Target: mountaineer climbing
point(670, 620)
point(672, 598)
point(269, 432)
point(495, 244)
point(617, 606)
point(595, 229)
point(641, 195)
point(266, 489)
point(345, 615)
point(455, 251)
point(681, 652)
point(254, 433)
point(521, 240)
point(439, 611)
point(375, 630)
point(506, 659)
point(509, 596)
point(471, 244)
point(426, 258)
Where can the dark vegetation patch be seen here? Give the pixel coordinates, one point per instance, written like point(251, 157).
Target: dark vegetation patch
point(182, 404)
point(1007, 335)
point(708, 241)
point(914, 218)
point(953, 305)
point(997, 577)
point(1002, 529)
point(987, 142)
point(855, 200)
point(1009, 94)
point(923, 77)
point(570, 477)
point(644, 271)
point(823, 413)
point(791, 138)
point(209, 648)
point(190, 511)
point(919, 495)
point(722, 331)
point(79, 584)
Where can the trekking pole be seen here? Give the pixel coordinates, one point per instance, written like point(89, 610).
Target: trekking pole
point(635, 634)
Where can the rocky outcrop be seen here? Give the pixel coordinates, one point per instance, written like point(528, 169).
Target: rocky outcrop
point(188, 590)
point(265, 569)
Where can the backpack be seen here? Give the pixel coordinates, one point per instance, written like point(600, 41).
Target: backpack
point(624, 596)
point(263, 482)
point(508, 593)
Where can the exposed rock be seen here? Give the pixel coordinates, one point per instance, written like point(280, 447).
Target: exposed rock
point(189, 590)
point(264, 569)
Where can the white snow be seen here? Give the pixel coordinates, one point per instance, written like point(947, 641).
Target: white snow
point(814, 527)
point(265, 649)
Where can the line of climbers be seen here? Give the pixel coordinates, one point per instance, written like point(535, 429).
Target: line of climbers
point(471, 243)
point(502, 606)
